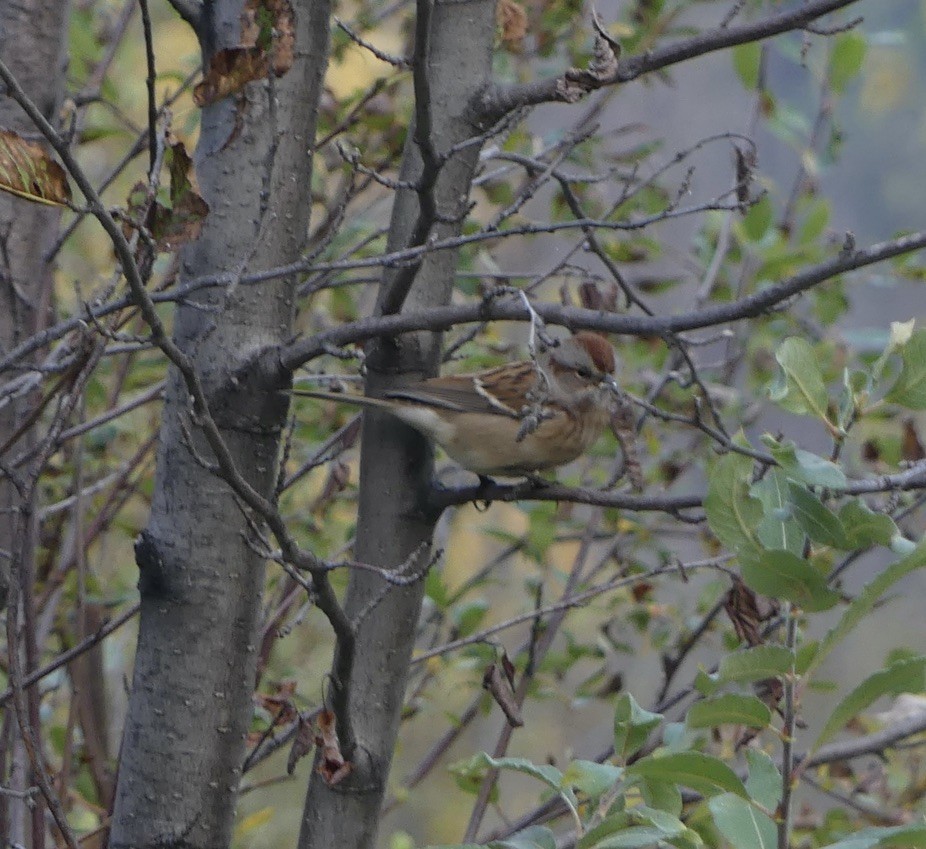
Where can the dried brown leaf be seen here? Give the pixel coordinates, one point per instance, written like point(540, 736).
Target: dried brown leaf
point(180, 219)
point(512, 20)
point(741, 605)
point(230, 70)
point(184, 220)
point(268, 43)
point(271, 26)
point(594, 297)
point(331, 765)
point(28, 171)
point(496, 681)
point(280, 703)
point(623, 427)
point(911, 449)
point(302, 743)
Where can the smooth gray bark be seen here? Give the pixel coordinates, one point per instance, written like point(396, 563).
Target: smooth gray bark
point(32, 41)
point(396, 462)
point(32, 38)
point(200, 580)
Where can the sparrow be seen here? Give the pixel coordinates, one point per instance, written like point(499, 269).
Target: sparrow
point(515, 419)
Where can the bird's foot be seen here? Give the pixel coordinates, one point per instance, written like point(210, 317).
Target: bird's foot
point(481, 501)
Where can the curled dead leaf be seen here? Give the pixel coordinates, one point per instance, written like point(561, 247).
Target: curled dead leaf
point(512, 20)
point(302, 742)
point(595, 297)
point(911, 448)
point(230, 70)
point(268, 43)
point(28, 171)
point(331, 764)
point(498, 681)
point(271, 26)
point(623, 426)
point(180, 218)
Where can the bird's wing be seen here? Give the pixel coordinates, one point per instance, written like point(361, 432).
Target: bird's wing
point(469, 393)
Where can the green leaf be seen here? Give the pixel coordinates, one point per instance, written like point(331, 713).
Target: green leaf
point(899, 335)
point(905, 676)
point(782, 574)
point(747, 60)
point(535, 837)
point(549, 775)
point(706, 684)
point(846, 59)
point(637, 827)
point(778, 529)
point(542, 530)
point(732, 513)
point(591, 778)
point(865, 601)
point(805, 466)
point(705, 774)
point(756, 664)
point(910, 388)
point(864, 527)
point(764, 783)
point(799, 387)
point(820, 523)
point(729, 709)
point(662, 795)
point(742, 824)
point(759, 218)
point(815, 221)
point(632, 725)
point(436, 589)
point(469, 615)
point(805, 655)
point(906, 836)
point(454, 846)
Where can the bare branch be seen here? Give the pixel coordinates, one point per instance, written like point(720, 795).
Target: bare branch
point(149, 84)
point(388, 58)
point(443, 318)
point(574, 84)
point(75, 651)
point(870, 744)
point(396, 290)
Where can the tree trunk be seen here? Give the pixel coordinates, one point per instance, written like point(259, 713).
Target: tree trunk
point(32, 38)
point(32, 41)
point(200, 580)
point(396, 462)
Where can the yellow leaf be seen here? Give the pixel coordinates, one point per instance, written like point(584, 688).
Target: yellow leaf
point(254, 821)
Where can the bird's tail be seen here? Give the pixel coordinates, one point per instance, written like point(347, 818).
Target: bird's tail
point(343, 398)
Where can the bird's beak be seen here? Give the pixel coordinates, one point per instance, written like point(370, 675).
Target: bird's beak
point(609, 382)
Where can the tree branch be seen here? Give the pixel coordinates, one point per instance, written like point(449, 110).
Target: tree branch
point(574, 84)
point(870, 744)
point(396, 290)
point(75, 651)
point(190, 10)
point(292, 356)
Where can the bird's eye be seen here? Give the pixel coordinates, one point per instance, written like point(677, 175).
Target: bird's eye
point(583, 372)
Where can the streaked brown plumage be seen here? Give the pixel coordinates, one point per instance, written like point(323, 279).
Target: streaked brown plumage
point(478, 418)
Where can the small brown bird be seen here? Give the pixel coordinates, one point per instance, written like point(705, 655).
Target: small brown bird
point(479, 419)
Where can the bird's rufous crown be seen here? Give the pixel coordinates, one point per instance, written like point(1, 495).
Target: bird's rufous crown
point(599, 349)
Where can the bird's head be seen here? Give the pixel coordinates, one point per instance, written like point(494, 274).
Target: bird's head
point(580, 366)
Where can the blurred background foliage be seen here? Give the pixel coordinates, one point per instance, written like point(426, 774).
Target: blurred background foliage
point(840, 135)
